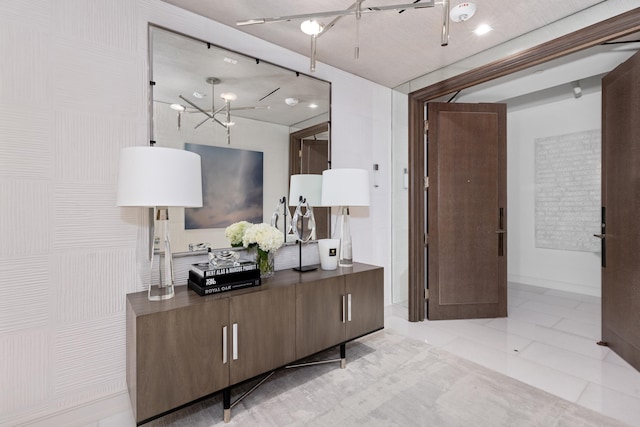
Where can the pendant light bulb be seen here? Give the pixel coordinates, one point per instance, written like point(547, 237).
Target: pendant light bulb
point(228, 96)
point(311, 27)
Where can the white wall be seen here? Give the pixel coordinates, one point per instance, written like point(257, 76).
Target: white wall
point(573, 271)
point(73, 92)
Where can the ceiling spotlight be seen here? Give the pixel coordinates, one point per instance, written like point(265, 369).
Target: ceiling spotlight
point(462, 12)
point(228, 96)
point(291, 101)
point(177, 107)
point(311, 27)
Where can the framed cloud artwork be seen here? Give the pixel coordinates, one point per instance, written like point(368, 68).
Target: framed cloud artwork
point(232, 187)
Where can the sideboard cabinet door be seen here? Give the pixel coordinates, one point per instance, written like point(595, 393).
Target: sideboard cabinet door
point(179, 356)
point(262, 331)
point(365, 302)
point(319, 315)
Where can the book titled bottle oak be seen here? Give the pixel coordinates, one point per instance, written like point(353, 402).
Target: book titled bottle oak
point(209, 290)
point(223, 278)
point(204, 269)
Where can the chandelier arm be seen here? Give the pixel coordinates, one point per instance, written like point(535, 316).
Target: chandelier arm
point(444, 39)
point(422, 5)
point(218, 110)
point(195, 106)
point(202, 122)
point(353, 7)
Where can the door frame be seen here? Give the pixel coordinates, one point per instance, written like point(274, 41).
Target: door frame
point(609, 29)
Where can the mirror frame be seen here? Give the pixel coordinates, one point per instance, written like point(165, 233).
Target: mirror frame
point(595, 34)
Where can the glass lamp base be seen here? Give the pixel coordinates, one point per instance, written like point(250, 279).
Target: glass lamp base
point(162, 288)
point(346, 251)
point(159, 293)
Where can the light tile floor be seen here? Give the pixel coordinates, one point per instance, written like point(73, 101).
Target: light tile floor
point(548, 341)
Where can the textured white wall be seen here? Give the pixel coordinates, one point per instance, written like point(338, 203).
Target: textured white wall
point(73, 91)
point(557, 269)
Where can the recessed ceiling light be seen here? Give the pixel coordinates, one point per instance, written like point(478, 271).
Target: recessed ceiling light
point(198, 95)
point(312, 105)
point(230, 61)
point(482, 29)
point(177, 107)
point(291, 101)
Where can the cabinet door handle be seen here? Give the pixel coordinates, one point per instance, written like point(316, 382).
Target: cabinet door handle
point(224, 344)
point(234, 347)
point(348, 307)
point(344, 307)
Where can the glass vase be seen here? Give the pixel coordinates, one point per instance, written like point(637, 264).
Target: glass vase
point(265, 260)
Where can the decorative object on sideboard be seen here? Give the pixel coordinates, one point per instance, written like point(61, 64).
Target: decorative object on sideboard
point(344, 188)
point(305, 191)
point(160, 177)
point(262, 238)
point(328, 251)
point(275, 217)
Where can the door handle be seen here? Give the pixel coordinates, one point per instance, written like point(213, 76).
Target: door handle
point(501, 231)
point(344, 307)
point(349, 308)
point(224, 345)
point(602, 236)
point(234, 345)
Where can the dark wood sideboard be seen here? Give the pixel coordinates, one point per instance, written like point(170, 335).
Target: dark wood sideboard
point(188, 347)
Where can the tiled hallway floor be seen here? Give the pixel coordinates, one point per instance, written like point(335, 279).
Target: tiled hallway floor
point(548, 341)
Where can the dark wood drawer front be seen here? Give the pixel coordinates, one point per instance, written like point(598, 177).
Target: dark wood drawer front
point(367, 302)
point(179, 356)
point(265, 331)
point(319, 315)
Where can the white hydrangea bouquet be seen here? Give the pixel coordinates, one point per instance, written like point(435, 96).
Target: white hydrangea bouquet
point(265, 238)
point(235, 232)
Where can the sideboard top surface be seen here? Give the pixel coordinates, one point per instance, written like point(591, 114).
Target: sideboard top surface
point(141, 305)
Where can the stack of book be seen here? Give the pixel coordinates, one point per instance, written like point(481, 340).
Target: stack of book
point(206, 280)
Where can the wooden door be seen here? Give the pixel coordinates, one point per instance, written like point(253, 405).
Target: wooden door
point(264, 335)
point(466, 211)
point(621, 205)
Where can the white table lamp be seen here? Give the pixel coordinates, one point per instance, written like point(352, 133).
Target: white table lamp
point(160, 177)
point(345, 188)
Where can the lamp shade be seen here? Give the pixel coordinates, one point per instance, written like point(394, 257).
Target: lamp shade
point(345, 187)
point(155, 176)
point(308, 186)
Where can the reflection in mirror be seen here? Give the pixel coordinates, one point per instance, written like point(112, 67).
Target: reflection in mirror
point(238, 113)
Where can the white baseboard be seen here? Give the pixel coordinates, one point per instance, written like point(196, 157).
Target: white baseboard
point(555, 284)
point(111, 411)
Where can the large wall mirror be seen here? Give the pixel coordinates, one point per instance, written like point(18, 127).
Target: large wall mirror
point(243, 115)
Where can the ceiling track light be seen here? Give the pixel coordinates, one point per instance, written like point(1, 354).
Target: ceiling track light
point(314, 29)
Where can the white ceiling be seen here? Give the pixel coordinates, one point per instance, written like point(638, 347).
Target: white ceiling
point(393, 47)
